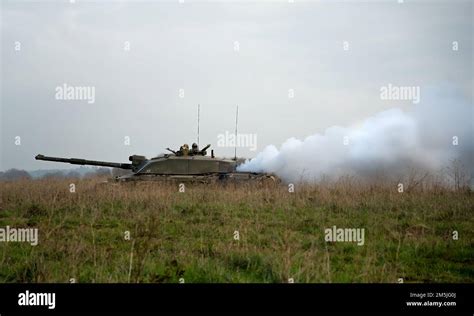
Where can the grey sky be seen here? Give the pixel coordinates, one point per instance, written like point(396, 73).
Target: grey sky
point(190, 46)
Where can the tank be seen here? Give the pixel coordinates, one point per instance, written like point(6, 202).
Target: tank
point(183, 165)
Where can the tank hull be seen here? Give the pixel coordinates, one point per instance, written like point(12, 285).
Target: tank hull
point(231, 177)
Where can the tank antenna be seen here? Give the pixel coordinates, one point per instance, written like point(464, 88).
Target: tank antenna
point(235, 140)
point(199, 107)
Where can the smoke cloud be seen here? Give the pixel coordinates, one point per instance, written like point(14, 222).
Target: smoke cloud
point(428, 136)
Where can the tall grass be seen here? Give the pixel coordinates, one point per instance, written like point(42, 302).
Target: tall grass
point(190, 235)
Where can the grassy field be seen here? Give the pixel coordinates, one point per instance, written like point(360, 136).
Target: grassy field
point(191, 235)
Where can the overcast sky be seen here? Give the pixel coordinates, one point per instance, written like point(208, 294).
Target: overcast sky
point(248, 54)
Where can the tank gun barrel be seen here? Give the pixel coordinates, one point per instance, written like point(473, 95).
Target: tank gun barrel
point(77, 161)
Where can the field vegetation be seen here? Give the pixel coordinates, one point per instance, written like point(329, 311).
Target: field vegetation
point(191, 236)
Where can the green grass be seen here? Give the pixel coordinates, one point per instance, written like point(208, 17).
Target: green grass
point(190, 235)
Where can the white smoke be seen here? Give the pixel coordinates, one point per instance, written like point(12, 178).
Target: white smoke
point(423, 137)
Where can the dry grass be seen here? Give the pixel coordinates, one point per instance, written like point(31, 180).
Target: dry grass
point(190, 235)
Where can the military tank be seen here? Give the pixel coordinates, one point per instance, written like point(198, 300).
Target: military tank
point(183, 165)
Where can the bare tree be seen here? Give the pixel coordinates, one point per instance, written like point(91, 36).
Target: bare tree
point(14, 174)
point(458, 174)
